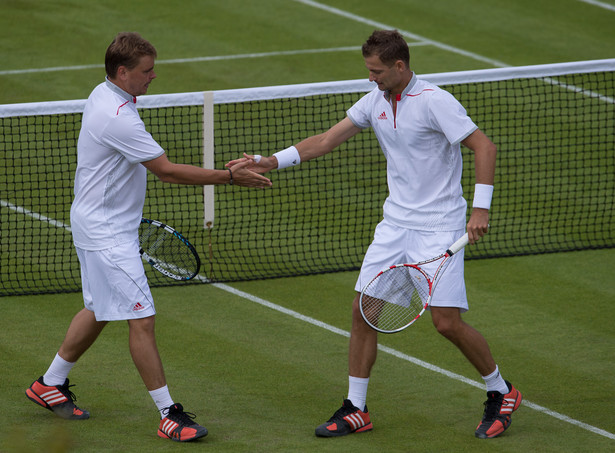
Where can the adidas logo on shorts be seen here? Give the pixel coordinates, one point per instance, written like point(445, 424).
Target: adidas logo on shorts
point(138, 307)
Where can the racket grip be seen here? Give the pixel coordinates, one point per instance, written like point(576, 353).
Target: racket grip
point(458, 245)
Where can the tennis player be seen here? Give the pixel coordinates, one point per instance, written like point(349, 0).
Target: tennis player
point(114, 152)
point(420, 128)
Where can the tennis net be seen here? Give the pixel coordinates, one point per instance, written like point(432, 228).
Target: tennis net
point(555, 181)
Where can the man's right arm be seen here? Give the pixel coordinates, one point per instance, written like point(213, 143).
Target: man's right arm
point(307, 149)
point(173, 173)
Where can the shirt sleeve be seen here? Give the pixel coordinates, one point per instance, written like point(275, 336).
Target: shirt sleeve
point(450, 117)
point(127, 134)
point(360, 112)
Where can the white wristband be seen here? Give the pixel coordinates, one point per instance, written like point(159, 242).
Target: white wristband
point(482, 196)
point(288, 157)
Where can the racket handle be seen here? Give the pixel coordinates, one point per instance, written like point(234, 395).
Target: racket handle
point(458, 245)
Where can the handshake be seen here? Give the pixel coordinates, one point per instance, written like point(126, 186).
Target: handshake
point(247, 170)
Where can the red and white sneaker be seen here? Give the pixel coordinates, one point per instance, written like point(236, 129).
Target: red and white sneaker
point(346, 420)
point(57, 398)
point(498, 412)
point(179, 425)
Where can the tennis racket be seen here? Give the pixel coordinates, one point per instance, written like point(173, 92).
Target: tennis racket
point(400, 294)
point(167, 251)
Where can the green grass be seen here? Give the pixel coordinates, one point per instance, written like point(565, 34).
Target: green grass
point(261, 380)
point(41, 34)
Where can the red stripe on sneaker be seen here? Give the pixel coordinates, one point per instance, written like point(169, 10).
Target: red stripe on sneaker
point(508, 406)
point(54, 397)
point(34, 397)
point(355, 421)
point(332, 427)
point(168, 426)
point(365, 428)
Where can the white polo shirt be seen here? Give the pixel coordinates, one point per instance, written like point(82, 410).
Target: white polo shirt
point(421, 143)
point(110, 181)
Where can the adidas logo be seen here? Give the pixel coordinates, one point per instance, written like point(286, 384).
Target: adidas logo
point(383, 116)
point(53, 397)
point(508, 406)
point(354, 420)
point(168, 427)
point(138, 307)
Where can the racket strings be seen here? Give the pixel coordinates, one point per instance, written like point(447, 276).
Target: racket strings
point(162, 250)
point(395, 298)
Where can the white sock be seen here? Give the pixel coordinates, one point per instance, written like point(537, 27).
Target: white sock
point(357, 391)
point(495, 382)
point(58, 371)
point(162, 399)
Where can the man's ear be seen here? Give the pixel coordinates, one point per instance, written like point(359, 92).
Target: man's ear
point(121, 72)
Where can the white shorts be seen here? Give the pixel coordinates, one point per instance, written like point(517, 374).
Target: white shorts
point(395, 245)
point(114, 283)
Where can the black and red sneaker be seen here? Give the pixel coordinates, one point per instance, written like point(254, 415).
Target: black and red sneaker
point(498, 412)
point(179, 425)
point(57, 398)
point(346, 420)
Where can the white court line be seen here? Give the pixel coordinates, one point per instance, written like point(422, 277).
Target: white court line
point(201, 59)
point(407, 34)
point(599, 4)
point(333, 329)
point(299, 316)
point(407, 358)
point(426, 41)
point(34, 215)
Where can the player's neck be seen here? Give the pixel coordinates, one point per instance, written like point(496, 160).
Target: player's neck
point(396, 92)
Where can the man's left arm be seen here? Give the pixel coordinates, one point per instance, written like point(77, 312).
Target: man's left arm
point(484, 161)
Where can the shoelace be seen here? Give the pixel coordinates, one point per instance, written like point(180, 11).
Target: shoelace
point(180, 416)
point(67, 392)
point(492, 407)
point(341, 413)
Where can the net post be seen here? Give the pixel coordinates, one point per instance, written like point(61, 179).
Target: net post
point(208, 157)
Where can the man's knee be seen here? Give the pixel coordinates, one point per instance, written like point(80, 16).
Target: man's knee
point(142, 324)
point(447, 321)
